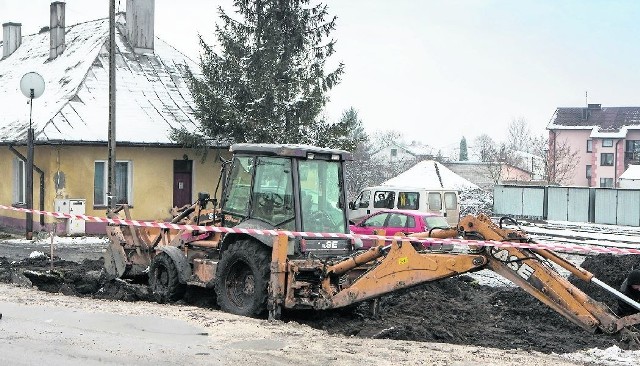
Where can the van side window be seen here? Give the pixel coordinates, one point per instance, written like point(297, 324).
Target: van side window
point(363, 200)
point(408, 200)
point(384, 199)
point(435, 201)
point(450, 201)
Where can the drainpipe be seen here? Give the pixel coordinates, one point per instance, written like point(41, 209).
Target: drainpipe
point(21, 157)
point(615, 166)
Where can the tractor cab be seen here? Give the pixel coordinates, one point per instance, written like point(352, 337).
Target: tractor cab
point(289, 187)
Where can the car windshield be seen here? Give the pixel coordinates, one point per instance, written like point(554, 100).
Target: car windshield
point(435, 221)
point(320, 196)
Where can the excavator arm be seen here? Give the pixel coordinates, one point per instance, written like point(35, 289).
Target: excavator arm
point(385, 269)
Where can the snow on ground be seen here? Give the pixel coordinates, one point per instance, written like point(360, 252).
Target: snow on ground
point(612, 356)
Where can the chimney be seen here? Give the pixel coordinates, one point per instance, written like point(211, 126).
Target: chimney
point(56, 29)
point(11, 38)
point(140, 31)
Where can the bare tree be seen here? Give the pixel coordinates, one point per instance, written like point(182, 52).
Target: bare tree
point(561, 162)
point(484, 147)
point(519, 135)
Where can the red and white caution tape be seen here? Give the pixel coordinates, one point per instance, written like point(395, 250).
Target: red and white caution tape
point(578, 248)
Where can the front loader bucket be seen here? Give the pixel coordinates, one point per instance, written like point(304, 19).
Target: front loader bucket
point(115, 259)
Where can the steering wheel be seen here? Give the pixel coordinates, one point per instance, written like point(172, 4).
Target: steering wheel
point(270, 200)
point(323, 219)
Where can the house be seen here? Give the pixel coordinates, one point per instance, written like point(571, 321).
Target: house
point(605, 139)
point(396, 152)
point(70, 119)
point(487, 174)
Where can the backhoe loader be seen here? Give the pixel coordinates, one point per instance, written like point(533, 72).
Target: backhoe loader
point(312, 261)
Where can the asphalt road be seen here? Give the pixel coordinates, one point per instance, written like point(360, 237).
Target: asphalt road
point(32, 335)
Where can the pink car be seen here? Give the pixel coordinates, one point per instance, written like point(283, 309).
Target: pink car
point(394, 221)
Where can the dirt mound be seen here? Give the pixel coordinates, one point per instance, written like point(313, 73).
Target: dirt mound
point(610, 269)
point(455, 310)
point(461, 312)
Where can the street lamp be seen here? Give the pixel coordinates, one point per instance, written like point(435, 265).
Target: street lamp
point(32, 86)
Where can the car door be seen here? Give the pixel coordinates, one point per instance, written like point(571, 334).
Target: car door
point(368, 225)
point(396, 223)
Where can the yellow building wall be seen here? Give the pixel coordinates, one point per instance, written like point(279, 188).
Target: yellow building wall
point(152, 177)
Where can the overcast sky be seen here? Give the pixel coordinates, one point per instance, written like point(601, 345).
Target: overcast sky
point(440, 70)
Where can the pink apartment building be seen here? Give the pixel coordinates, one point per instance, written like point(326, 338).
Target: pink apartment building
point(607, 140)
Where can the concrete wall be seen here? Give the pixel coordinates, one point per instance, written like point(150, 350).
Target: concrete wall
point(152, 179)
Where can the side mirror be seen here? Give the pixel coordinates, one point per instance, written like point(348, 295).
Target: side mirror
point(352, 206)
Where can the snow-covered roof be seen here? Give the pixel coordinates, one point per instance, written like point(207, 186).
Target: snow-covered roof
point(430, 174)
point(601, 119)
point(632, 173)
point(152, 91)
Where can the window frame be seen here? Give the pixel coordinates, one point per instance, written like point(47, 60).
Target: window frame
point(105, 182)
point(603, 160)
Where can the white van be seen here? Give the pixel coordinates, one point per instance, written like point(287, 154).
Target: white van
point(374, 199)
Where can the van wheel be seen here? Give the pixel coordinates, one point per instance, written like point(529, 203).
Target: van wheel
point(242, 278)
point(164, 279)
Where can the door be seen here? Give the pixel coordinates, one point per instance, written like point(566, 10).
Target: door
point(361, 206)
point(367, 227)
point(182, 174)
point(451, 207)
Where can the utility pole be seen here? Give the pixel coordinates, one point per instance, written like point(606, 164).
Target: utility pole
point(111, 144)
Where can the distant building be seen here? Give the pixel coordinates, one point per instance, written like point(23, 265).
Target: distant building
point(607, 140)
point(487, 174)
point(397, 152)
point(70, 119)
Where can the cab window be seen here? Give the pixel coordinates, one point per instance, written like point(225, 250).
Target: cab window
point(384, 199)
point(363, 199)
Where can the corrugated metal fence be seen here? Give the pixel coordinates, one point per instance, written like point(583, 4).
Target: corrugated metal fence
point(577, 204)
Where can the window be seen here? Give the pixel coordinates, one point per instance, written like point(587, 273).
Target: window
point(408, 200)
point(123, 186)
point(363, 200)
point(589, 145)
point(450, 201)
point(384, 199)
point(19, 182)
point(394, 152)
point(397, 220)
point(435, 201)
point(632, 146)
point(273, 193)
point(588, 176)
point(606, 159)
point(607, 143)
point(606, 182)
point(376, 220)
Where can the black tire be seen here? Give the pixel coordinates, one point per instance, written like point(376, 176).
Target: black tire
point(242, 278)
point(165, 280)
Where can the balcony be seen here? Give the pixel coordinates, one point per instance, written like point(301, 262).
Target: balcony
point(632, 157)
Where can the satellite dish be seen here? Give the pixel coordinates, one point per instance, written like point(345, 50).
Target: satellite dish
point(32, 85)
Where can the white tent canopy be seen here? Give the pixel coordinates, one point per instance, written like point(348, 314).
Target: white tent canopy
point(430, 174)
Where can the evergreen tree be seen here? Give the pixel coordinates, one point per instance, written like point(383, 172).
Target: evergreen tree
point(267, 83)
point(464, 154)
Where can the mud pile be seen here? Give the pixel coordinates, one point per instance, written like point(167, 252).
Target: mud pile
point(456, 310)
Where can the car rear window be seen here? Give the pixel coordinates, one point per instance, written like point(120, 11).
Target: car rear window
point(408, 200)
point(436, 221)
